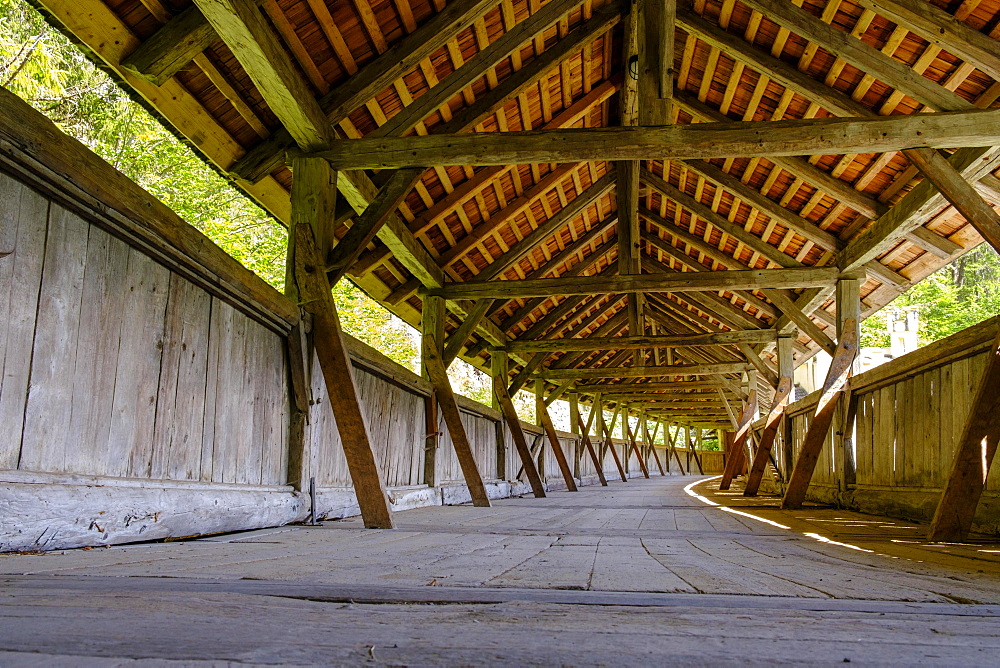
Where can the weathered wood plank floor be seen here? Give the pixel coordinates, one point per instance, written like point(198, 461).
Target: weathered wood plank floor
point(639, 571)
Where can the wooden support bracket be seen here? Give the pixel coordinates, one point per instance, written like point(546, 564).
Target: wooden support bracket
point(314, 289)
point(449, 409)
point(767, 438)
point(833, 389)
point(557, 450)
point(973, 457)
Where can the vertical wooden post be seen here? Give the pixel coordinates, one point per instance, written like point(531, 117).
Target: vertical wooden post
point(848, 296)
point(313, 202)
point(651, 440)
point(539, 395)
point(433, 356)
point(499, 369)
point(774, 418)
point(973, 457)
point(574, 427)
point(550, 431)
point(432, 317)
point(673, 446)
point(695, 446)
point(514, 424)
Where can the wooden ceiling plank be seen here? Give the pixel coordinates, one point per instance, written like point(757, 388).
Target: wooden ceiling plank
point(860, 54)
point(549, 227)
point(524, 311)
point(477, 66)
point(372, 78)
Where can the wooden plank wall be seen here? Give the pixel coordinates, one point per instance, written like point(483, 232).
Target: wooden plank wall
point(910, 415)
point(114, 365)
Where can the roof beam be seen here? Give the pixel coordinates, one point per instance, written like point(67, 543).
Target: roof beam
point(644, 372)
point(639, 342)
point(941, 28)
point(485, 60)
point(402, 181)
point(168, 50)
point(812, 136)
point(861, 55)
point(798, 167)
point(798, 277)
point(524, 311)
point(915, 209)
point(246, 32)
point(818, 92)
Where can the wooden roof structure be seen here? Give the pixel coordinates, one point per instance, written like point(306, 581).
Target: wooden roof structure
point(679, 186)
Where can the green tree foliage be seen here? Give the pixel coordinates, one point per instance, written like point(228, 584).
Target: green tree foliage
point(956, 296)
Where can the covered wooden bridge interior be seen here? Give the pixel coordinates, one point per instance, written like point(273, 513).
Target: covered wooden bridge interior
point(653, 210)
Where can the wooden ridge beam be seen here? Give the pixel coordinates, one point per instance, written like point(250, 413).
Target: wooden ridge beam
point(798, 277)
point(638, 342)
point(813, 136)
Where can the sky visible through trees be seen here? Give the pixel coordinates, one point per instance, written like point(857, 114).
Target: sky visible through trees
point(43, 67)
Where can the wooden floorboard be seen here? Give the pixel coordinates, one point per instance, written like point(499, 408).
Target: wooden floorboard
point(637, 571)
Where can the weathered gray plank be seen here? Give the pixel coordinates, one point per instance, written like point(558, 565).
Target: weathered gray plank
point(50, 395)
point(23, 223)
